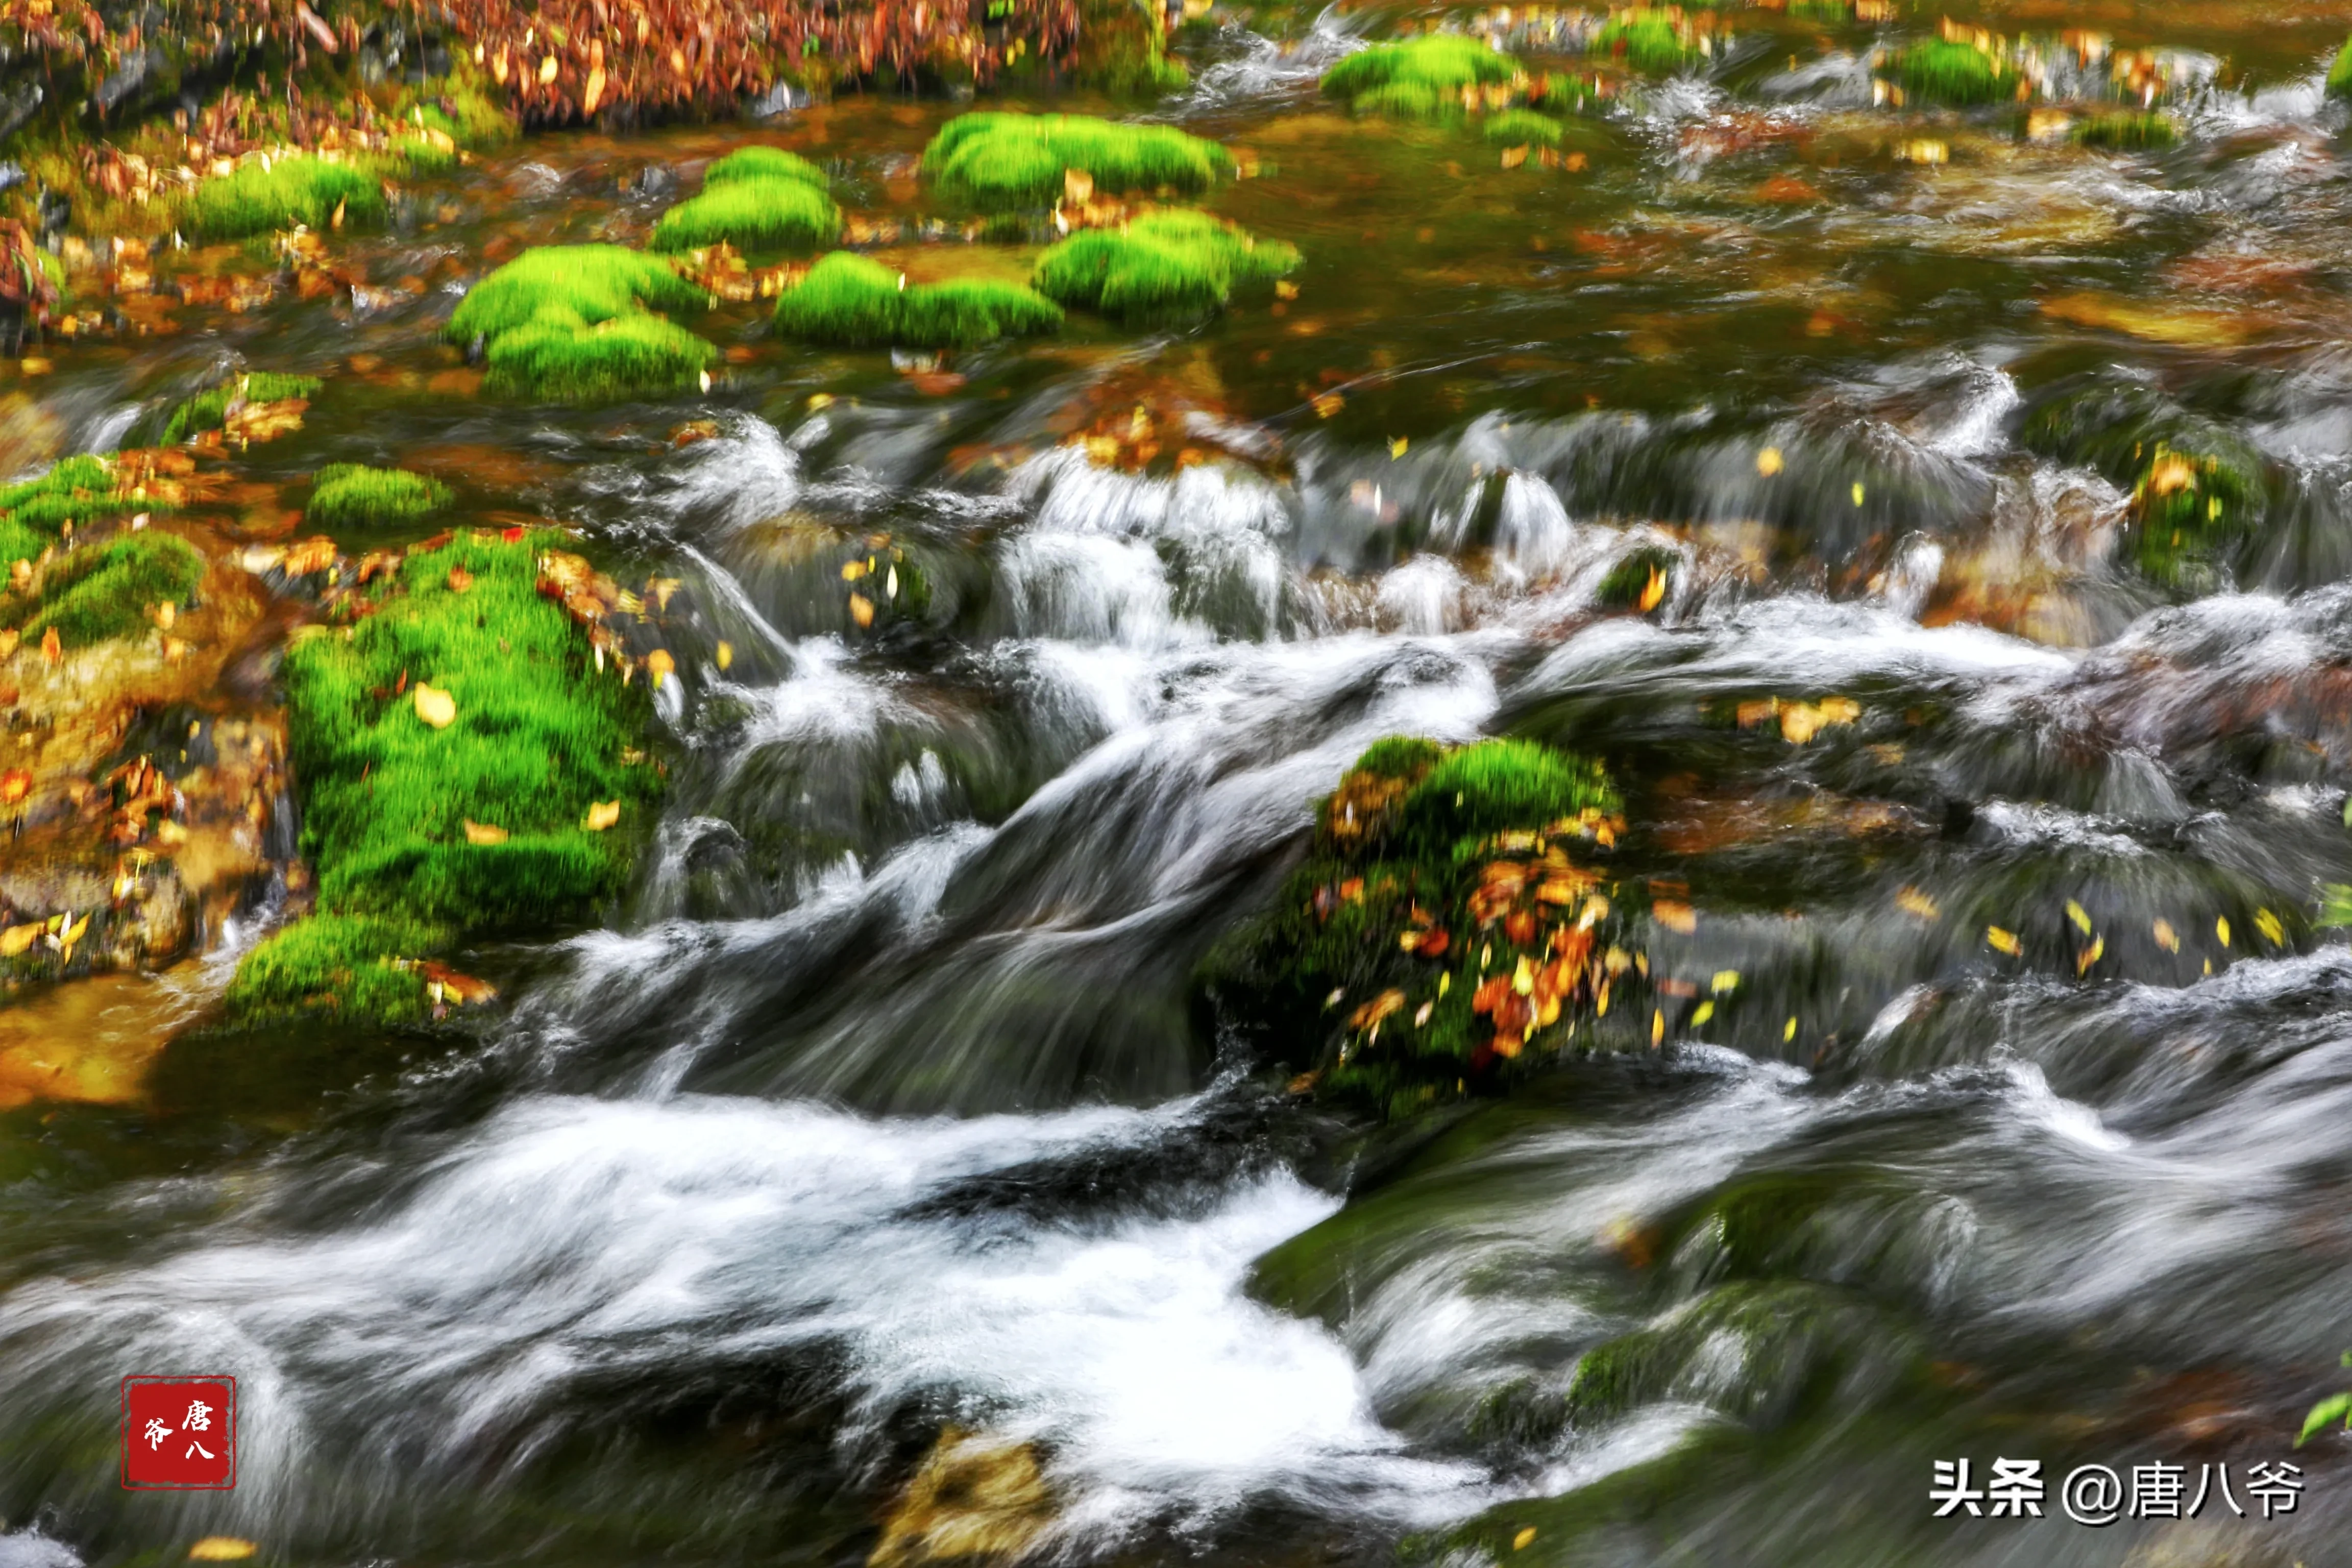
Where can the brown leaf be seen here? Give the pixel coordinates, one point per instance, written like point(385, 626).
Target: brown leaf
point(460, 580)
point(52, 648)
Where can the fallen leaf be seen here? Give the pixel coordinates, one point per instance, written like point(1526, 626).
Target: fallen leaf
point(316, 553)
point(1657, 1029)
point(52, 649)
point(2080, 916)
point(15, 785)
point(434, 705)
point(2268, 924)
point(1077, 187)
point(2090, 955)
point(724, 654)
point(17, 939)
point(1769, 461)
point(9, 638)
point(2005, 940)
point(1653, 590)
point(861, 609)
point(594, 93)
point(2166, 937)
point(1514, 156)
point(2222, 928)
point(660, 664)
point(1912, 902)
point(484, 833)
point(460, 580)
point(1675, 916)
point(1378, 1008)
point(602, 815)
point(221, 1549)
point(1328, 404)
point(1519, 1541)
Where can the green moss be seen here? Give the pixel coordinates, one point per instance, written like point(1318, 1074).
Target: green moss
point(1647, 40)
point(572, 323)
point(303, 189)
point(1754, 1349)
point(756, 164)
point(2128, 131)
point(538, 737)
point(2339, 74)
point(1163, 265)
point(1945, 71)
point(79, 490)
point(344, 963)
point(2196, 487)
point(350, 495)
point(848, 299)
point(1001, 160)
point(1374, 964)
point(1518, 127)
point(106, 591)
point(209, 409)
point(1432, 72)
point(752, 215)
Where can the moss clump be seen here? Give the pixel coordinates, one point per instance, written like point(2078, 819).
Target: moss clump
point(2188, 502)
point(1946, 72)
point(75, 490)
point(106, 591)
point(756, 165)
point(1518, 127)
point(1161, 266)
point(574, 323)
point(753, 215)
point(538, 737)
point(2128, 132)
point(346, 962)
point(2339, 74)
point(258, 198)
point(1444, 926)
point(2196, 487)
point(1646, 40)
point(209, 409)
point(352, 495)
point(1001, 160)
point(848, 299)
point(1421, 78)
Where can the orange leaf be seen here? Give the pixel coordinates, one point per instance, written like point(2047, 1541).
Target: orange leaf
point(602, 815)
point(861, 609)
point(484, 833)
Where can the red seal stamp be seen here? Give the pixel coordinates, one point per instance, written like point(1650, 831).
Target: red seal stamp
point(179, 1434)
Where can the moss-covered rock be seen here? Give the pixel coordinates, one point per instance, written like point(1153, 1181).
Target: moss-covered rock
point(1448, 926)
point(1002, 160)
point(75, 490)
point(1522, 127)
point(575, 324)
point(849, 299)
point(106, 590)
point(210, 409)
point(2196, 487)
point(260, 197)
point(1420, 78)
point(1161, 266)
point(352, 495)
point(753, 212)
point(1649, 40)
point(2128, 132)
point(1947, 71)
point(1640, 580)
point(451, 747)
point(754, 164)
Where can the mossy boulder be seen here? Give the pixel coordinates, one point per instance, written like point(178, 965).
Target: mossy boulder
point(753, 212)
point(308, 189)
point(851, 301)
point(353, 495)
point(210, 409)
point(79, 490)
point(1002, 160)
point(2126, 132)
point(1426, 77)
point(1162, 266)
point(1523, 127)
point(1640, 580)
point(1448, 928)
point(1651, 42)
point(576, 324)
point(751, 166)
point(1948, 72)
point(2196, 487)
point(450, 746)
point(105, 591)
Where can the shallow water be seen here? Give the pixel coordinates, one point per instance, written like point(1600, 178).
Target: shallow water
point(885, 1107)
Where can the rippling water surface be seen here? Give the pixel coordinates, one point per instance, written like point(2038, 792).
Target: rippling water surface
point(878, 1145)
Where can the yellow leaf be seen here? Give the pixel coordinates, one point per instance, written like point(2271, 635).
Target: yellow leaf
point(17, 939)
point(1652, 591)
point(1286, 290)
point(1725, 980)
point(861, 609)
point(1912, 902)
point(221, 1549)
point(724, 654)
point(600, 816)
point(2080, 916)
point(2005, 940)
point(1523, 978)
point(660, 664)
point(851, 571)
point(2090, 955)
point(2222, 928)
point(72, 930)
point(1514, 156)
point(2268, 924)
point(593, 94)
point(1657, 1028)
point(1396, 447)
point(1857, 492)
point(484, 833)
point(547, 70)
point(2166, 937)
point(434, 705)
point(1675, 916)
point(1791, 1032)
point(1768, 462)
point(1519, 1541)
point(1329, 404)
point(1705, 1011)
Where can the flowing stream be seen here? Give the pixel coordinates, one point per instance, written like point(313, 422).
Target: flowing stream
point(885, 1109)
